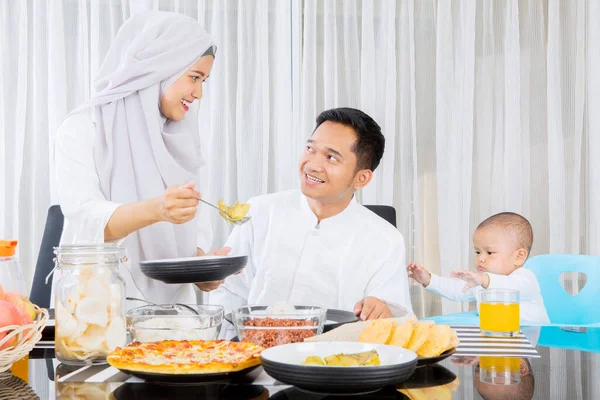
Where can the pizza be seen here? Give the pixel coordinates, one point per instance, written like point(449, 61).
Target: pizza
point(186, 357)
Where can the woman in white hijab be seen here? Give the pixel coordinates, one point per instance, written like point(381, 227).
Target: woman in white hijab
point(128, 159)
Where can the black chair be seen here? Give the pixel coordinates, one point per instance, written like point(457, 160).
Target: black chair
point(40, 292)
point(386, 212)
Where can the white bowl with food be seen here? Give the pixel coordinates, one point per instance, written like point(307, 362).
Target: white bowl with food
point(339, 367)
point(154, 323)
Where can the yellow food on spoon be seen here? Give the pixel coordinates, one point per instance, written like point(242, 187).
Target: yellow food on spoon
point(236, 212)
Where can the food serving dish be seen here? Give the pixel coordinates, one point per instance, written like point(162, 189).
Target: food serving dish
point(286, 364)
point(154, 323)
point(193, 269)
point(333, 319)
point(268, 327)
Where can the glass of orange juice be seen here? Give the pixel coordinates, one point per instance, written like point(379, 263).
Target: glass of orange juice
point(500, 370)
point(499, 313)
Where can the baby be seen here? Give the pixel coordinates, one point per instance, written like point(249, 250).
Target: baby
point(502, 244)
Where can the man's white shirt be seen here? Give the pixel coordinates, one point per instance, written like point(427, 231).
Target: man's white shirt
point(333, 264)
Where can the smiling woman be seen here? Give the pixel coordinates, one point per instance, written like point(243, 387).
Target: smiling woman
point(135, 163)
point(176, 100)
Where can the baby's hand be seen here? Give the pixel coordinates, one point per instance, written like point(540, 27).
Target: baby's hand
point(472, 278)
point(419, 274)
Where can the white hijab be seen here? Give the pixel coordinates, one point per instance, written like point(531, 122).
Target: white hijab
point(138, 152)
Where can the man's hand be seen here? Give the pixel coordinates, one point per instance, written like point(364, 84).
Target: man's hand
point(178, 204)
point(210, 286)
point(223, 251)
point(371, 308)
point(472, 278)
point(419, 274)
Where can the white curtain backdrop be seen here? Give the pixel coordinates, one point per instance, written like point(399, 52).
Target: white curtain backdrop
point(486, 106)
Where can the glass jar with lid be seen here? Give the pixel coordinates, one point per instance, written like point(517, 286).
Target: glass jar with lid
point(89, 301)
point(11, 275)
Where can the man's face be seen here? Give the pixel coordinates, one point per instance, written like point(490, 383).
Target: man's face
point(328, 164)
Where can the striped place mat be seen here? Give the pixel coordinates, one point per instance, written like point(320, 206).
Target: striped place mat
point(472, 343)
point(99, 373)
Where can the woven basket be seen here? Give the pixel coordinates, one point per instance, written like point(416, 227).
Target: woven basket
point(12, 387)
point(27, 336)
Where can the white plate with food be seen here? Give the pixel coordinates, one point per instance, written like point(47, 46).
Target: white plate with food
point(339, 367)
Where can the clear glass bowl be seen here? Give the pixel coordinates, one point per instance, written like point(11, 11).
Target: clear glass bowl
point(268, 326)
point(174, 322)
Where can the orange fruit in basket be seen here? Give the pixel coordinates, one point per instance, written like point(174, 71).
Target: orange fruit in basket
point(9, 315)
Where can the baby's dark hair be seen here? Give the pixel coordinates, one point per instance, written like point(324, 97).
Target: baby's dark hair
point(516, 224)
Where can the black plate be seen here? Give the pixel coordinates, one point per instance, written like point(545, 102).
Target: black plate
point(189, 379)
point(293, 393)
point(337, 318)
point(428, 376)
point(357, 380)
point(432, 360)
point(198, 262)
point(337, 380)
point(193, 270)
point(129, 391)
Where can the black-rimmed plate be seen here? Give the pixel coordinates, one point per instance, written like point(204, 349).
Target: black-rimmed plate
point(221, 391)
point(284, 363)
point(334, 319)
point(428, 376)
point(432, 360)
point(193, 269)
point(189, 379)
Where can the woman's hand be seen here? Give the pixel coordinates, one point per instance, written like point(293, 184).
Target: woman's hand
point(178, 204)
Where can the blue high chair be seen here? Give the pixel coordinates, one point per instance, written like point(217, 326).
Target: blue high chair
point(580, 309)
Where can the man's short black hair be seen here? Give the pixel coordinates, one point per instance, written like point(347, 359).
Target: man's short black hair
point(370, 142)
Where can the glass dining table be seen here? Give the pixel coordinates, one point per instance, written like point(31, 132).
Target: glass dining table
point(567, 366)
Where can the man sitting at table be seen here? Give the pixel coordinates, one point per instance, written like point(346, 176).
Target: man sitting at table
point(318, 245)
